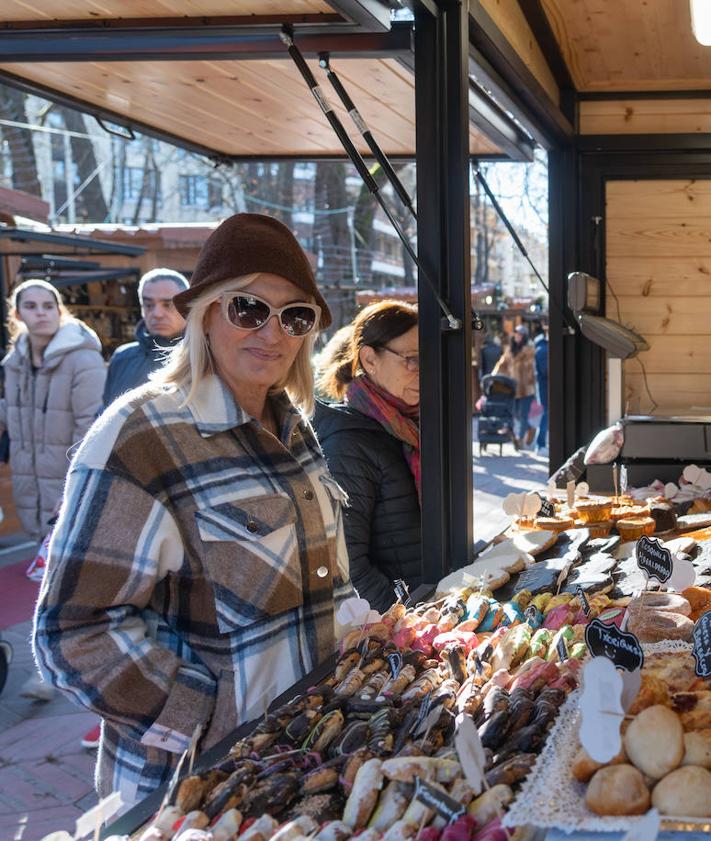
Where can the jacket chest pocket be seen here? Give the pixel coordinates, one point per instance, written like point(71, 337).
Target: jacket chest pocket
point(250, 551)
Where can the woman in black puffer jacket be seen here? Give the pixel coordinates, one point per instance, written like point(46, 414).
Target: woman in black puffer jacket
point(371, 443)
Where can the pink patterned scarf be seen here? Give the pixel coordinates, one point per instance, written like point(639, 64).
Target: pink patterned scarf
point(394, 415)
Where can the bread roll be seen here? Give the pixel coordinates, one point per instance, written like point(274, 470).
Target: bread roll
point(654, 626)
point(617, 790)
point(685, 792)
point(654, 741)
point(697, 748)
point(584, 766)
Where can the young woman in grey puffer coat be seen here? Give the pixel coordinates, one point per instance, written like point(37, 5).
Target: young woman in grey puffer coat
point(54, 377)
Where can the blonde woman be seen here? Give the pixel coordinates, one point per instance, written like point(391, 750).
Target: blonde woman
point(198, 558)
point(53, 380)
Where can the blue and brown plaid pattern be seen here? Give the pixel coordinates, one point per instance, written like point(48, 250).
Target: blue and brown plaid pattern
point(192, 575)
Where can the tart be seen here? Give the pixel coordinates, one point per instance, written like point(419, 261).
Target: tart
point(598, 530)
point(593, 510)
point(632, 528)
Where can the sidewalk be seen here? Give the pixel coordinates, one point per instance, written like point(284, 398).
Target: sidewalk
point(46, 777)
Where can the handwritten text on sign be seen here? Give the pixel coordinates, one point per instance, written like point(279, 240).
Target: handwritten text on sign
point(654, 559)
point(609, 641)
point(702, 645)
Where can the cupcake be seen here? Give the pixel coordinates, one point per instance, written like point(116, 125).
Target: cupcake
point(624, 512)
point(632, 528)
point(598, 529)
point(555, 524)
point(593, 509)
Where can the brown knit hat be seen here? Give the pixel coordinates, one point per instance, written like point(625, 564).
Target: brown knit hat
point(247, 243)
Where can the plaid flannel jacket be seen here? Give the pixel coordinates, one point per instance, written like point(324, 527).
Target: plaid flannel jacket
point(192, 576)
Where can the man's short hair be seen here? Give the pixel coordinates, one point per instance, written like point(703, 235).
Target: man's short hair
point(162, 274)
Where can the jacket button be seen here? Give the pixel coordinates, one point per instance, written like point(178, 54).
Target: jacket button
point(322, 572)
point(308, 494)
point(252, 526)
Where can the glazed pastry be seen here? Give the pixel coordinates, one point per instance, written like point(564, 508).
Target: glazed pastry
point(654, 741)
point(663, 602)
point(617, 790)
point(593, 509)
point(654, 626)
point(686, 792)
point(632, 528)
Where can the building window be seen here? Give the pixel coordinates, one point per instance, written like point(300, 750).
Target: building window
point(199, 191)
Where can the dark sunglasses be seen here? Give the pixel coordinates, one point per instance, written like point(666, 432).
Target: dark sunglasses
point(248, 312)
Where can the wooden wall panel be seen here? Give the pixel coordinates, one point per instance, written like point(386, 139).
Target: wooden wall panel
point(658, 236)
point(645, 116)
point(512, 23)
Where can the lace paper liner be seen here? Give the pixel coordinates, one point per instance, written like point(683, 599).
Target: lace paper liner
point(550, 798)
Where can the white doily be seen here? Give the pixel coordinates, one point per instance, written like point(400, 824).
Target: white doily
point(550, 798)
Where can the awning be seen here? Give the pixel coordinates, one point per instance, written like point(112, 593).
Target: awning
point(216, 78)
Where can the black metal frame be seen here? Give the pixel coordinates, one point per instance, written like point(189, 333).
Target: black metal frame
point(442, 120)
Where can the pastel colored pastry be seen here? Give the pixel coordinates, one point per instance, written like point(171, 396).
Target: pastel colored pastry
point(493, 616)
point(513, 615)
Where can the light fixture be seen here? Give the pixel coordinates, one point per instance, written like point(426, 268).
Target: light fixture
point(488, 300)
point(701, 21)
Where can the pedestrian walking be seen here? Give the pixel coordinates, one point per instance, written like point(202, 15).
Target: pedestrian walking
point(199, 556)
point(54, 377)
point(160, 329)
point(518, 362)
point(541, 350)
point(372, 445)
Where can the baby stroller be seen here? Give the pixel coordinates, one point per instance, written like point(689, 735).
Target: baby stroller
point(496, 422)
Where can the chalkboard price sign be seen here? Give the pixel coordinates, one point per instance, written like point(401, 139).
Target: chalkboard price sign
point(395, 661)
point(609, 641)
point(702, 645)
point(547, 508)
point(654, 559)
point(562, 649)
point(583, 599)
point(445, 806)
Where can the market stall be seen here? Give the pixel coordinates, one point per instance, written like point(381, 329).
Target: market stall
point(462, 711)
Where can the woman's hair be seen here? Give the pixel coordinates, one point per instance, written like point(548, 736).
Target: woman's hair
point(15, 327)
point(517, 347)
point(374, 326)
point(190, 361)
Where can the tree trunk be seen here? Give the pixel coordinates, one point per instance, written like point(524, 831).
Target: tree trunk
point(19, 141)
point(331, 233)
point(90, 203)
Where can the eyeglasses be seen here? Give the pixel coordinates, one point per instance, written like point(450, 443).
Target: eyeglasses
point(248, 312)
point(412, 362)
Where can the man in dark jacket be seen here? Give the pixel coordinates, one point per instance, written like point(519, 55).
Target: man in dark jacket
point(382, 518)
point(156, 333)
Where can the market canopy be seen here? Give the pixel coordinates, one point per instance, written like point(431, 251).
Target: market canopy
point(215, 77)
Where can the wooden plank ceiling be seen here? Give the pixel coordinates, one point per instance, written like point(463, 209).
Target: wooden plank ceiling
point(629, 45)
point(241, 108)
point(47, 10)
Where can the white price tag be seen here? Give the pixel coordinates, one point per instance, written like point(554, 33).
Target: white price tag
point(470, 752)
point(601, 709)
point(570, 493)
point(683, 575)
point(645, 829)
point(355, 611)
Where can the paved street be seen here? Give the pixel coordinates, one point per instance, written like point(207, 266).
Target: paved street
point(46, 777)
